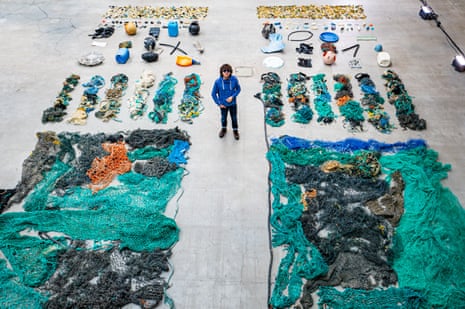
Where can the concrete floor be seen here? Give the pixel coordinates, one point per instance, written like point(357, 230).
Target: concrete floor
point(223, 256)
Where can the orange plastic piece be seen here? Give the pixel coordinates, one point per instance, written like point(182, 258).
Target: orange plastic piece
point(104, 170)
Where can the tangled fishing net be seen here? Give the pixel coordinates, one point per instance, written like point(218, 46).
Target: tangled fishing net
point(138, 102)
point(191, 105)
point(109, 107)
point(163, 99)
point(89, 100)
point(349, 108)
point(271, 97)
point(57, 112)
point(398, 96)
point(373, 102)
point(364, 224)
point(298, 97)
point(93, 233)
point(322, 100)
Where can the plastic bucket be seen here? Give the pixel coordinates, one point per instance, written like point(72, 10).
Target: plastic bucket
point(122, 55)
point(173, 29)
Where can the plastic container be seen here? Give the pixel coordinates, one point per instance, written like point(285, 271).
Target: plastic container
point(122, 55)
point(173, 28)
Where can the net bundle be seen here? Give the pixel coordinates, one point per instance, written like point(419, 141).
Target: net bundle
point(364, 224)
point(74, 247)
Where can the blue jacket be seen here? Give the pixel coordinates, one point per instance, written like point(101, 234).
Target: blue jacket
point(225, 88)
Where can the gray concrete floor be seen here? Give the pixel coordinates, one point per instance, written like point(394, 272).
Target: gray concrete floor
point(223, 257)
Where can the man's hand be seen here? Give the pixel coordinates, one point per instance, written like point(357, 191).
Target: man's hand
point(229, 100)
point(222, 106)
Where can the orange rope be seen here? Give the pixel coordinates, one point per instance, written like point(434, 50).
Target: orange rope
point(104, 170)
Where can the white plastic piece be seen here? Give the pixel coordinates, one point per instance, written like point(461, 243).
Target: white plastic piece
point(384, 59)
point(273, 62)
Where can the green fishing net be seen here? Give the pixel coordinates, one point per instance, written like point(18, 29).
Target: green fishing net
point(93, 232)
point(364, 224)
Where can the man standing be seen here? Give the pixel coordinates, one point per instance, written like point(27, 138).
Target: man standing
point(225, 90)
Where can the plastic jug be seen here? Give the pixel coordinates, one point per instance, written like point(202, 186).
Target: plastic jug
point(173, 29)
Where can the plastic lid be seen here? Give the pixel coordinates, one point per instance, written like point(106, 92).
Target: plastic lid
point(329, 37)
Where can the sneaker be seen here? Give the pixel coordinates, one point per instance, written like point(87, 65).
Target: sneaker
point(222, 132)
point(236, 135)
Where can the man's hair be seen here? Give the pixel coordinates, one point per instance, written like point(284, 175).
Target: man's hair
point(225, 67)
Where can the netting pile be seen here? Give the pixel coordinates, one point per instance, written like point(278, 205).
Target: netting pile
point(373, 102)
point(348, 107)
point(109, 107)
point(271, 97)
point(398, 96)
point(299, 98)
point(89, 100)
point(163, 99)
point(365, 224)
point(93, 231)
point(57, 112)
point(322, 100)
point(191, 106)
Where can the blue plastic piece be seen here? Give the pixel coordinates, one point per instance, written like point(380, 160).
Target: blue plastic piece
point(122, 55)
point(329, 37)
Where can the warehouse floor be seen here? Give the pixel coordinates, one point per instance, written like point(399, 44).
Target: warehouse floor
point(223, 257)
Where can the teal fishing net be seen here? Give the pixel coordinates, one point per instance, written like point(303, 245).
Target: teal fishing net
point(93, 232)
point(364, 224)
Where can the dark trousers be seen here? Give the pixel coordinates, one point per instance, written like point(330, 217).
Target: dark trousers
point(224, 116)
